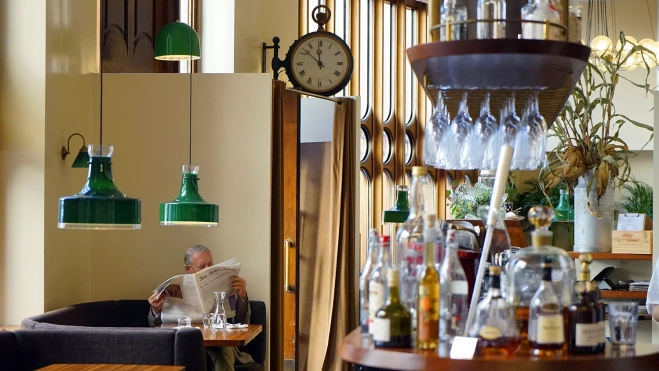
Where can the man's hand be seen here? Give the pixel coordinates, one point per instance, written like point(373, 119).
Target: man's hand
point(240, 285)
point(156, 303)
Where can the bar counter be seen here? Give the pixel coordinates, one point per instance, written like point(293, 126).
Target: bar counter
point(644, 357)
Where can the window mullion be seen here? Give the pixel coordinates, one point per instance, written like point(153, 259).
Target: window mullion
point(401, 62)
point(378, 127)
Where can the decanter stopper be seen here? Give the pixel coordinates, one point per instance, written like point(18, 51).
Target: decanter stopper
point(585, 259)
point(541, 217)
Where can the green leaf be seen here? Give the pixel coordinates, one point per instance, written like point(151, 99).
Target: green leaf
point(633, 122)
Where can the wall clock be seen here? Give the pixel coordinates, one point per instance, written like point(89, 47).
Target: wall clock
point(319, 62)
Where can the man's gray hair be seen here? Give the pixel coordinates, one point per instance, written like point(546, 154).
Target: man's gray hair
point(194, 250)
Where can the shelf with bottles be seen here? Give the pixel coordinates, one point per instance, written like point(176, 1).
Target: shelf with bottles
point(612, 256)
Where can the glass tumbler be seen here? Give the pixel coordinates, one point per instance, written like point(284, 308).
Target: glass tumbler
point(207, 319)
point(623, 318)
point(184, 322)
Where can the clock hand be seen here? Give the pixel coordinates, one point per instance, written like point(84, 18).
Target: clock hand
point(320, 64)
point(309, 54)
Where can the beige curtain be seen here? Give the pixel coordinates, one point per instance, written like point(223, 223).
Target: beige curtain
point(332, 308)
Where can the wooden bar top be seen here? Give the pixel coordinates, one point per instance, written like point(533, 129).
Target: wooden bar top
point(229, 338)
point(83, 367)
point(644, 357)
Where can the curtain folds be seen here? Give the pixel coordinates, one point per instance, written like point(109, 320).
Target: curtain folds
point(334, 306)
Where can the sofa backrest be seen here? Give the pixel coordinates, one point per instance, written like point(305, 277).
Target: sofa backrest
point(256, 348)
point(110, 313)
point(40, 348)
point(8, 351)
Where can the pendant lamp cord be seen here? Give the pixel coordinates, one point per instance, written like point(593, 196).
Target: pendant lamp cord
point(101, 73)
point(190, 68)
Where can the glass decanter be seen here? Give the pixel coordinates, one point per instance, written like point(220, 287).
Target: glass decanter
point(495, 326)
point(525, 272)
point(547, 317)
point(542, 10)
point(490, 10)
point(219, 314)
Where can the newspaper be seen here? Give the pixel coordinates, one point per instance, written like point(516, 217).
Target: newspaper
point(191, 295)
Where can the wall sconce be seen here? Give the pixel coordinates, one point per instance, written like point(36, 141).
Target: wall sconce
point(82, 159)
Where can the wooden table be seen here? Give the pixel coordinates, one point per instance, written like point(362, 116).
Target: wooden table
point(645, 357)
point(81, 367)
point(10, 328)
point(229, 338)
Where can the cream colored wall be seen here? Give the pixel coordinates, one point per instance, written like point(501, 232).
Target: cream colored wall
point(22, 118)
point(146, 119)
point(258, 21)
point(71, 55)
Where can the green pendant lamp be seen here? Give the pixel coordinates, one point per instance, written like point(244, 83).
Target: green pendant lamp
point(178, 41)
point(100, 204)
point(399, 213)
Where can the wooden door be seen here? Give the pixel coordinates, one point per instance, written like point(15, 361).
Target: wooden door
point(129, 29)
point(290, 221)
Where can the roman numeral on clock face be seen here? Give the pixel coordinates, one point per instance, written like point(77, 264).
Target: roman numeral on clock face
point(309, 80)
point(337, 53)
point(339, 63)
point(302, 63)
point(302, 73)
point(337, 73)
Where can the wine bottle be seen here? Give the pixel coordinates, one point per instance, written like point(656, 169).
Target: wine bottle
point(454, 299)
point(377, 283)
point(367, 270)
point(392, 325)
point(427, 327)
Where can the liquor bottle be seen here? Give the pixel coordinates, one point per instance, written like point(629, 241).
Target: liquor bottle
point(583, 324)
point(542, 10)
point(454, 290)
point(525, 272)
point(495, 325)
point(392, 325)
point(369, 266)
point(546, 318)
point(575, 11)
point(377, 283)
point(452, 12)
point(427, 325)
point(564, 210)
point(409, 241)
point(489, 10)
point(593, 297)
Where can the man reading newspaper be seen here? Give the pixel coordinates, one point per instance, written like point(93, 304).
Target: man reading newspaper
point(192, 294)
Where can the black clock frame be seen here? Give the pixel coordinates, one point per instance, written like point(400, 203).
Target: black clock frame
point(289, 60)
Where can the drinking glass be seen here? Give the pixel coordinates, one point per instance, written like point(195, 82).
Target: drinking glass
point(184, 322)
point(207, 319)
point(539, 129)
point(456, 136)
point(623, 317)
point(435, 130)
point(475, 152)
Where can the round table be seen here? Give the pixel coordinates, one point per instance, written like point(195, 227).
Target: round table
point(643, 357)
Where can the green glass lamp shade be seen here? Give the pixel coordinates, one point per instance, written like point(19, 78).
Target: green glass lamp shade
point(82, 159)
point(177, 41)
point(399, 213)
point(189, 208)
point(99, 205)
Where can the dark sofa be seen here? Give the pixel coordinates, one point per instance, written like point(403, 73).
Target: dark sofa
point(26, 350)
point(131, 316)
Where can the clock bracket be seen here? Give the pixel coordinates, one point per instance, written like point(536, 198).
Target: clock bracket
point(276, 64)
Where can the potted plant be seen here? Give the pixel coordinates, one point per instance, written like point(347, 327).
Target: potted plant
point(639, 200)
point(591, 157)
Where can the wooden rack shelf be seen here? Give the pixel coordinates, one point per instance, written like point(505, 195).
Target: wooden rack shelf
point(623, 294)
point(611, 256)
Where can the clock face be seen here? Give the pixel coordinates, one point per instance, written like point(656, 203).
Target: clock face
point(321, 64)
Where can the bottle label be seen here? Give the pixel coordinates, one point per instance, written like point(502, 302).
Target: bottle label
point(459, 288)
point(375, 299)
point(550, 329)
point(589, 334)
point(380, 328)
point(428, 314)
point(602, 332)
point(489, 332)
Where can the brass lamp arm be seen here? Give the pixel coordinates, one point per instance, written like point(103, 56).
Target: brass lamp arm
point(65, 150)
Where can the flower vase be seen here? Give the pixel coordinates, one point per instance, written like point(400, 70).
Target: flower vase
point(593, 218)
